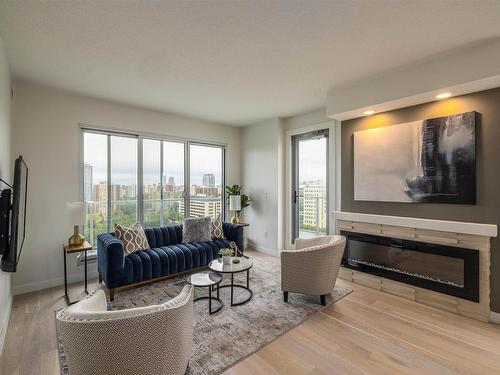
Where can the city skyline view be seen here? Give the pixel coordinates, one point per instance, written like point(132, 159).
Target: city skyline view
point(164, 195)
point(312, 176)
point(124, 163)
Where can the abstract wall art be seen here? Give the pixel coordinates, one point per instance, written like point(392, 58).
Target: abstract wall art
point(428, 161)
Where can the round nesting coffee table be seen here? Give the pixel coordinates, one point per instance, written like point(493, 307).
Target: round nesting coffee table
point(232, 268)
point(207, 279)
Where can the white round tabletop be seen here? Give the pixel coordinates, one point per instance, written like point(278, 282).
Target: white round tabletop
point(205, 278)
point(218, 266)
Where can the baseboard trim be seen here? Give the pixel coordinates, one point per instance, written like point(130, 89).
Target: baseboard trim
point(5, 325)
point(44, 284)
point(494, 317)
point(260, 249)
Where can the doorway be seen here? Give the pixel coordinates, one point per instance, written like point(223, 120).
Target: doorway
point(310, 180)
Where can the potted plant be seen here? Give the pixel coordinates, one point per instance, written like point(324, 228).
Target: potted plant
point(226, 254)
point(237, 201)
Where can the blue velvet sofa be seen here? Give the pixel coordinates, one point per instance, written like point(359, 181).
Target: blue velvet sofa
point(167, 256)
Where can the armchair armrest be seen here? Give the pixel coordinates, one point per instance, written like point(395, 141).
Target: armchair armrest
point(110, 254)
point(233, 232)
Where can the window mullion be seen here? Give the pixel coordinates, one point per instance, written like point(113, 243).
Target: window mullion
point(161, 184)
point(223, 183)
point(187, 182)
point(140, 181)
point(109, 181)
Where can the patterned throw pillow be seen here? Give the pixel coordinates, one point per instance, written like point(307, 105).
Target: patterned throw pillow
point(217, 231)
point(197, 229)
point(133, 238)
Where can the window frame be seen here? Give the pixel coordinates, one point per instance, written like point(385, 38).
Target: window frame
point(141, 136)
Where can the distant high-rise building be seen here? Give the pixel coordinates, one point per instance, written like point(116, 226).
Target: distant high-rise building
point(204, 191)
point(168, 188)
point(101, 191)
point(87, 182)
point(171, 180)
point(115, 192)
point(202, 208)
point(314, 204)
point(209, 180)
point(129, 191)
point(100, 195)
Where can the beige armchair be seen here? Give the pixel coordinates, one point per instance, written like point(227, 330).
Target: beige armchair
point(149, 340)
point(313, 266)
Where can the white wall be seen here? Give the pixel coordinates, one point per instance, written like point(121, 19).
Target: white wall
point(5, 169)
point(306, 119)
point(46, 133)
point(464, 70)
point(261, 178)
point(265, 172)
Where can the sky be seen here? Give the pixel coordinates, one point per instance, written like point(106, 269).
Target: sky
point(124, 160)
point(312, 160)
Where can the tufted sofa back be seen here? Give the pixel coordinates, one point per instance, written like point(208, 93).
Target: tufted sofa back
point(164, 236)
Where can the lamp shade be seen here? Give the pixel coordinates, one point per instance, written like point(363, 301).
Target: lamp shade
point(77, 212)
point(235, 202)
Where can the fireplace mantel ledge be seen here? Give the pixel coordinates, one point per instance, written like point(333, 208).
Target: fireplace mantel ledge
point(487, 230)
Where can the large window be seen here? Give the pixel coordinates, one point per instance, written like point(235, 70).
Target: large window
point(123, 180)
point(163, 182)
point(206, 187)
point(171, 180)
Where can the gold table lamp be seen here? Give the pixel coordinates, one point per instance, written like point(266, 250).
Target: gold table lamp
point(235, 206)
point(78, 215)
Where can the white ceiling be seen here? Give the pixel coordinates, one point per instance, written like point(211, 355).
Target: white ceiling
point(233, 62)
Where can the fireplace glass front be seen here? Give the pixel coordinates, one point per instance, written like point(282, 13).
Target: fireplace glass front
point(446, 269)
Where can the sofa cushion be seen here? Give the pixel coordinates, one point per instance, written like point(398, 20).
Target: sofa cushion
point(197, 229)
point(133, 237)
point(217, 231)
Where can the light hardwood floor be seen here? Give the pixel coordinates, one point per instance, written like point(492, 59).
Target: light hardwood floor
point(367, 332)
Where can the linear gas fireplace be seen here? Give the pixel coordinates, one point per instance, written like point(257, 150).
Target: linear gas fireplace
point(445, 269)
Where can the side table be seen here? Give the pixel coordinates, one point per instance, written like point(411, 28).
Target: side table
point(68, 249)
point(207, 279)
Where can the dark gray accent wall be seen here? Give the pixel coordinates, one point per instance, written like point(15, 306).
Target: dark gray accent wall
point(487, 208)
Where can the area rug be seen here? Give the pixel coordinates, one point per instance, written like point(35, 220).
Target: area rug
point(229, 336)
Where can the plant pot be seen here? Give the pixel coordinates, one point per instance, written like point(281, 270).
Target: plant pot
point(226, 260)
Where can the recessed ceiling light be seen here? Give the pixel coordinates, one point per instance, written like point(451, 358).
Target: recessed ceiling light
point(444, 95)
point(369, 112)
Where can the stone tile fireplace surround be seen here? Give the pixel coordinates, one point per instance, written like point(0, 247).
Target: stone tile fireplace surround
point(451, 234)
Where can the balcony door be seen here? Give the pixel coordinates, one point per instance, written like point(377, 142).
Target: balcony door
point(310, 184)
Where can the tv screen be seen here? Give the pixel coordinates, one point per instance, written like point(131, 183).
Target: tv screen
point(14, 217)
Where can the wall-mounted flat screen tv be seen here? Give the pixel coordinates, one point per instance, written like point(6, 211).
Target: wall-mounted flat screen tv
point(13, 217)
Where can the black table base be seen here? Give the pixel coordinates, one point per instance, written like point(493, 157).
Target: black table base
point(233, 285)
point(210, 298)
